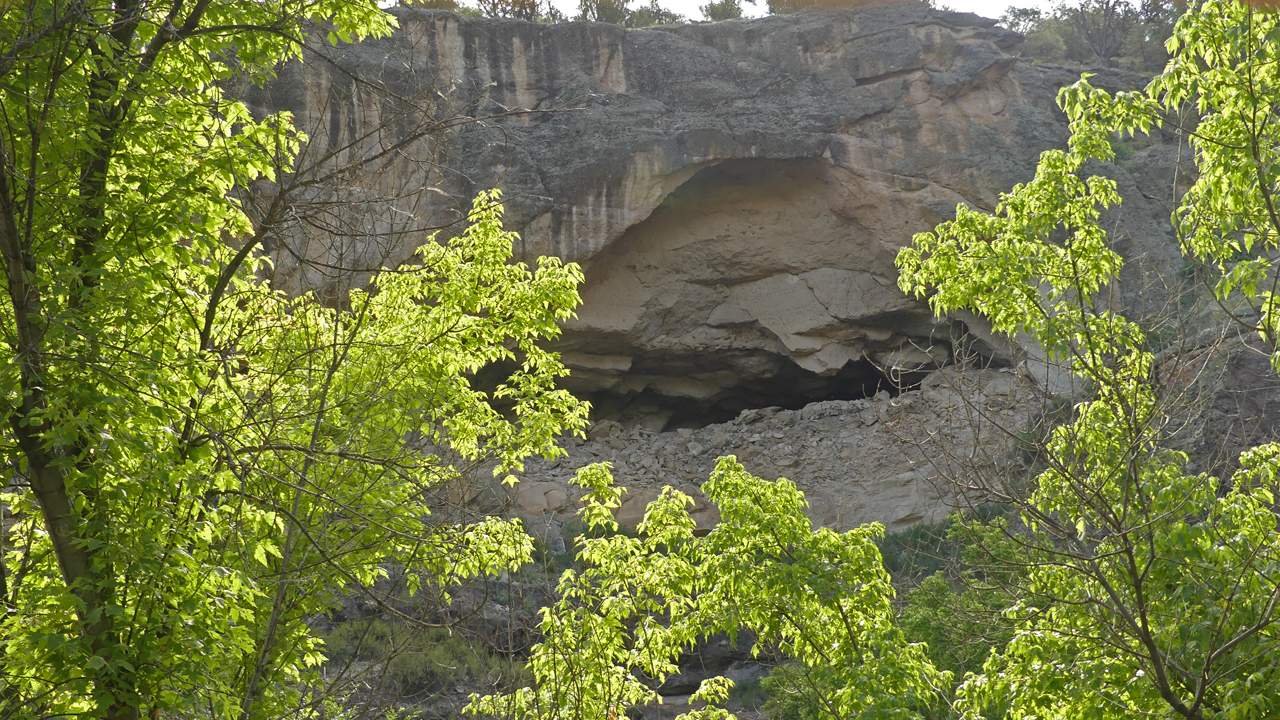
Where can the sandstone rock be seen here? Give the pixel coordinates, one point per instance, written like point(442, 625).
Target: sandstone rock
point(557, 545)
point(735, 191)
point(1226, 395)
point(495, 611)
point(603, 429)
point(705, 514)
point(822, 510)
point(634, 506)
point(531, 498)
point(556, 499)
point(539, 498)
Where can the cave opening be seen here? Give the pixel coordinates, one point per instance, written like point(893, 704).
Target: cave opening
point(791, 387)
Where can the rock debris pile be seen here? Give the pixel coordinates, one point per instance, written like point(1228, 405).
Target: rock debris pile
point(883, 459)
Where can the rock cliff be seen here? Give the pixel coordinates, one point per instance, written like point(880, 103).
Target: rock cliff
point(736, 193)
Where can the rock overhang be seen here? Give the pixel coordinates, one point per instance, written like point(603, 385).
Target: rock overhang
point(736, 192)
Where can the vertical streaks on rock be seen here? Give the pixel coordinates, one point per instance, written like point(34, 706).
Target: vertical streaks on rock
point(735, 191)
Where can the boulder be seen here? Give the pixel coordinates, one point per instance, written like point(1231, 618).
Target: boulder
point(539, 498)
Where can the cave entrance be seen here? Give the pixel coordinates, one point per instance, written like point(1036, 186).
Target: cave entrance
point(661, 406)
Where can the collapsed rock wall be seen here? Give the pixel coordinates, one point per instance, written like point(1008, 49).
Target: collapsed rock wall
point(892, 460)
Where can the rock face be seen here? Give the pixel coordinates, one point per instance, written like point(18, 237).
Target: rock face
point(736, 192)
point(882, 459)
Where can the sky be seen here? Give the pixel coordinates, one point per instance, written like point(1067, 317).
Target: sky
point(689, 8)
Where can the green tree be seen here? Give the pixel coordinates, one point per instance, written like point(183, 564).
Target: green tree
point(1022, 20)
point(819, 597)
point(619, 12)
point(959, 619)
point(1103, 25)
point(722, 10)
point(651, 15)
point(605, 11)
point(530, 10)
point(450, 5)
point(1150, 590)
point(1145, 46)
point(1107, 33)
point(197, 463)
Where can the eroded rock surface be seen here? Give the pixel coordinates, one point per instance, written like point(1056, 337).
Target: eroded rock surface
point(736, 191)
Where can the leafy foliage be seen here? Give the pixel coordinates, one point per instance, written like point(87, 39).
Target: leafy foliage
point(530, 10)
point(620, 12)
point(722, 10)
point(196, 462)
point(412, 662)
point(917, 552)
point(1103, 33)
point(651, 15)
point(959, 623)
point(782, 7)
point(1022, 20)
point(789, 696)
point(451, 5)
point(817, 596)
point(1150, 591)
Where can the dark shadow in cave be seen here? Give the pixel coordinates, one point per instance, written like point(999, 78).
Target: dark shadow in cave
point(791, 388)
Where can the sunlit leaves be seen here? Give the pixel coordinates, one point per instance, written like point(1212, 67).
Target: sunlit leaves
point(232, 459)
point(818, 596)
point(1152, 591)
point(1228, 69)
point(228, 483)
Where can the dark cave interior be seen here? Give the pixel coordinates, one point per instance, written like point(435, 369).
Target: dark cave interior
point(791, 388)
